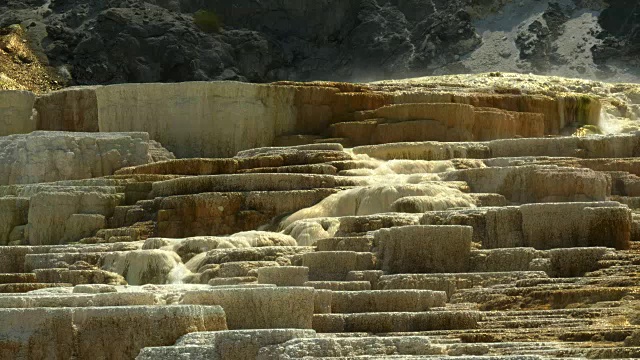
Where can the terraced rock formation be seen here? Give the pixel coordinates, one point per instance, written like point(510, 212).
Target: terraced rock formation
point(476, 217)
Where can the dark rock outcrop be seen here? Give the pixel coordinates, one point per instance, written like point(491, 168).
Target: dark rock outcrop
point(621, 33)
point(115, 41)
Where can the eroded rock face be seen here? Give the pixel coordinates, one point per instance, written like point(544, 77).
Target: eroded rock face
point(52, 156)
point(265, 107)
point(71, 330)
point(16, 112)
point(256, 43)
point(277, 307)
point(400, 249)
point(495, 243)
point(58, 218)
point(620, 38)
point(118, 41)
point(68, 110)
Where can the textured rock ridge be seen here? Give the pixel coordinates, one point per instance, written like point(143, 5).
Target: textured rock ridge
point(119, 41)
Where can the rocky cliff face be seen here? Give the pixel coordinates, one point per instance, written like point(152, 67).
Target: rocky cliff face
point(621, 35)
point(115, 41)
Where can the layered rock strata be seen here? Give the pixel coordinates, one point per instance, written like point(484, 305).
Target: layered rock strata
point(448, 246)
point(218, 119)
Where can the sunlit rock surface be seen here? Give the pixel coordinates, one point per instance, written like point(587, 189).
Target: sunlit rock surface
point(441, 217)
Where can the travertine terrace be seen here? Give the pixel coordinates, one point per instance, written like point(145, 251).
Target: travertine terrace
point(492, 216)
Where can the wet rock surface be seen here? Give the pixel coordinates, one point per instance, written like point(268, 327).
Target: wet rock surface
point(427, 218)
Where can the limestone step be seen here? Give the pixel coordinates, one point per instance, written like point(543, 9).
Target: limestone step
point(371, 301)
point(114, 332)
point(243, 268)
point(78, 300)
point(450, 283)
point(312, 150)
point(617, 281)
point(76, 277)
point(631, 201)
point(340, 285)
point(535, 297)
point(12, 258)
point(395, 321)
point(588, 295)
point(224, 213)
point(284, 275)
point(137, 191)
point(371, 276)
point(587, 353)
point(360, 225)
point(244, 183)
point(186, 352)
point(132, 233)
point(365, 347)
point(610, 146)
point(564, 262)
point(241, 280)
point(266, 253)
point(536, 184)
point(489, 199)
point(17, 278)
point(26, 287)
point(235, 344)
point(535, 323)
point(424, 249)
point(548, 281)
point(261, 337)
point(260, 308)
point(320, 169)
point(627, 271)
point(404, 122)
point(578, 228)
point(257, 241)
point(357, 244)
point(351, 346)
point(410, 346)
point(335, 265)
point(59, 260)
point(126, 216)
point(626, 165)
point(587, 313)
point(601, 331)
